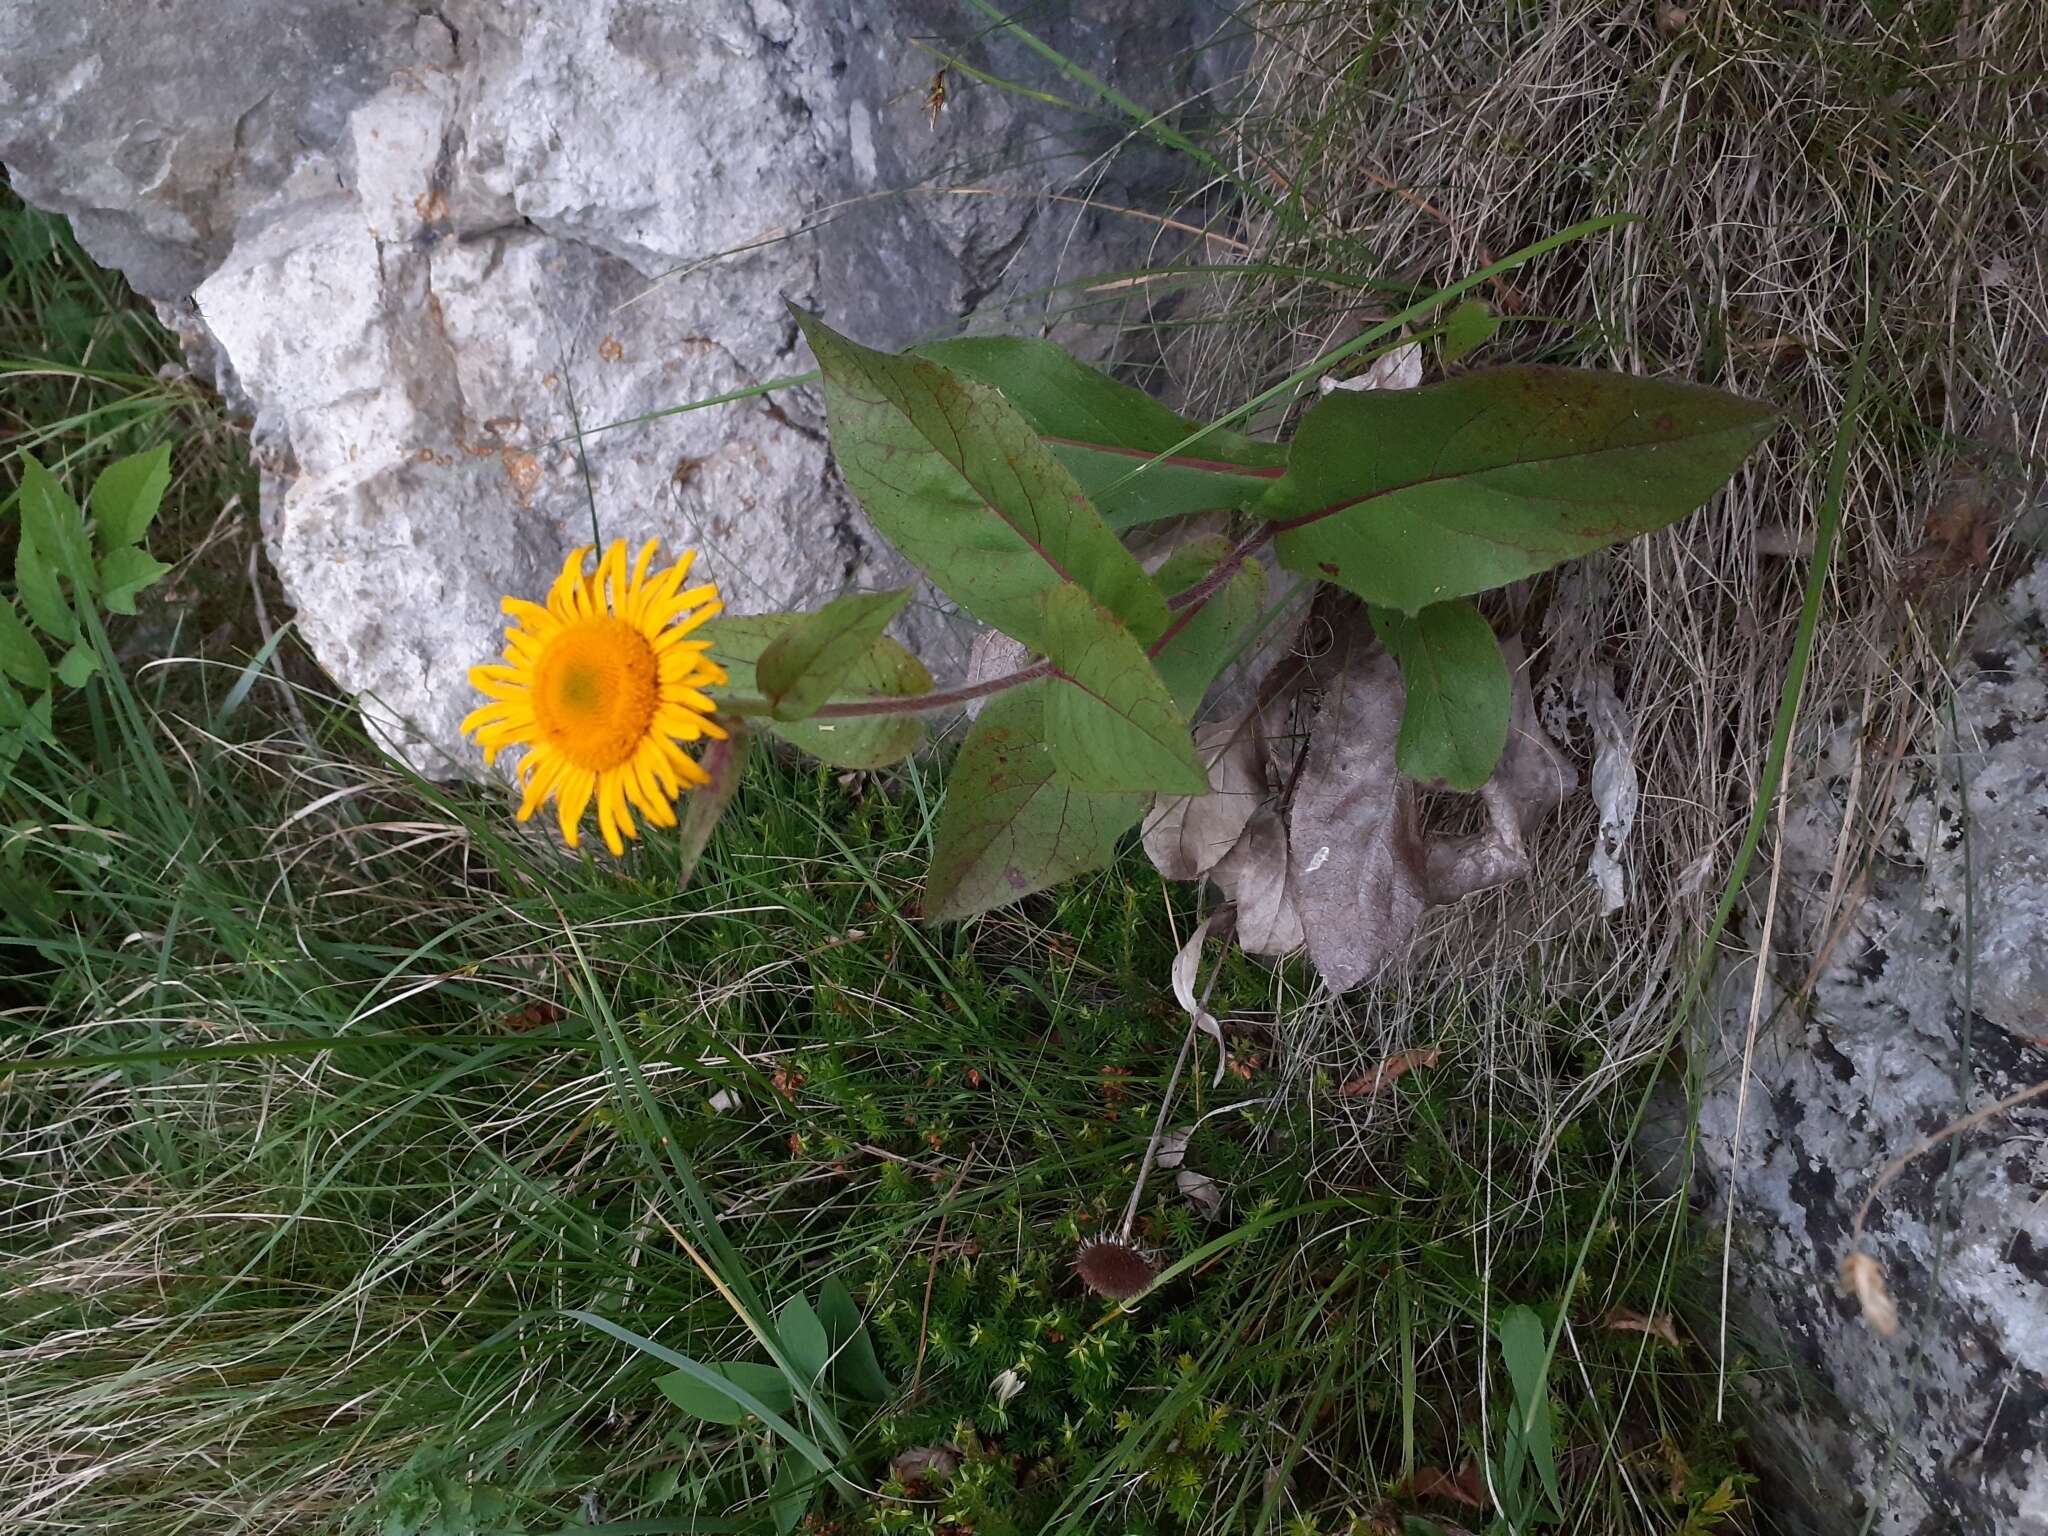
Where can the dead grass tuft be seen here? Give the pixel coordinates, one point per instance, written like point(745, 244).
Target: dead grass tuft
point(1800, 173)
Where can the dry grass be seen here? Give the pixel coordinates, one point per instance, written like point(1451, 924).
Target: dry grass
point(1799, 174)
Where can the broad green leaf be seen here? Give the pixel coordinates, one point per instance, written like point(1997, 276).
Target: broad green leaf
point(124, 572)
point(1008, 826)
point(13, 708)
point(1209, 641)
point(21, 655)
point(1455, 721)
point(789, 1497)
point(1522, 1346)
point(1413, 497)
point(1103, 430)
point(42, 596)
point(1467, 328)
point(50, 520)
point(887, 671)
point(707, 1401)
point(803, 1338)
point(37, 726)
point(126, 495)
point(787, 1432)
point(809, 661)
point(78, 665)
point(1112, 723)
point(956, 479)
point(855, 1366)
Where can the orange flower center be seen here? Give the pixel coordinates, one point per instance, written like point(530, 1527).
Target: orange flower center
point(595, 691)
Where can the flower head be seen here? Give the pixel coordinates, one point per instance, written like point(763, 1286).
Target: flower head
point(600, 686)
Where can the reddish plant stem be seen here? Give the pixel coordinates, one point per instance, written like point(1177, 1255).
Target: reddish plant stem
point(1183, 605)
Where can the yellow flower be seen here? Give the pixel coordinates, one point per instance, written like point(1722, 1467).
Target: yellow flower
point(599, 687)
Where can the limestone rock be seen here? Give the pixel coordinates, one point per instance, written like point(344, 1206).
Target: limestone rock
point(423, 241)
point(1926, 1005)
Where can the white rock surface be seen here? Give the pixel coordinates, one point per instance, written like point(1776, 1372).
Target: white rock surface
point(409, 234)
point(1928, 1008)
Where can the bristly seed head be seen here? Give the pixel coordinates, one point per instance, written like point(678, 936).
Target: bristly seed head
point(1115, 1268)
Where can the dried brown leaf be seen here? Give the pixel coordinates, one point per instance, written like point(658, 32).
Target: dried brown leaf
point(1198, 1189)
point(1531, 781)
point(1256, 876)
point(726, 763)
point(1626, 1320)
point(1186, 836)
point(1467, 1488)
point(1390, 1071)
point(927, 1464)
point(1353, 841)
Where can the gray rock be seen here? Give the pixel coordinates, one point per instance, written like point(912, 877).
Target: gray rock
point(1927, 1008)
point(422, 240)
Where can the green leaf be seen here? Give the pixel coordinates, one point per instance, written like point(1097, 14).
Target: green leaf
point(51, 521)
point(1455, 722)
point(37, 726)
point(787, 1432)
point(708, 1401)
point(855, 1366)
point(803, 1338)
point(1467, 328)
point(789, 1497)
point(42, 596)
point(956, 479)
point(1412, 497)
point(1522, 1346)
point(126, 496)
point(1103, 430)
point(808, 662)
point(21, 656)
point(1009, 827)
point(124, 572)
point(78, 665)
point(1209, 641)
point(1112, 722)
point(886, 671)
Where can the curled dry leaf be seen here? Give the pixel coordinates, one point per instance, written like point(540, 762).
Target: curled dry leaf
point(1625, 1320)
point(1186, 836)
point(1256, 876)
point(1531, 781)
point(1390, 1071)
point(1186, 965)
point(1355, 848)
point(1467, 1488)
point(1864, 1278)
point(1398, 369)
point(726, 762)
point(1615, 786)
point(1198, 1189)
point(928, 1464)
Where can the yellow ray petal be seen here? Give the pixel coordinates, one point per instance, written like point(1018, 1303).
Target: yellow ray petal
point(572, 799)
